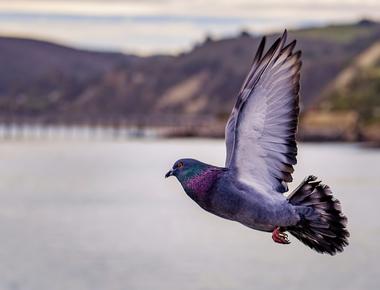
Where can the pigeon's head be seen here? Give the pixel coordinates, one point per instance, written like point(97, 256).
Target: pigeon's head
point(186, 168)
point(197, 178)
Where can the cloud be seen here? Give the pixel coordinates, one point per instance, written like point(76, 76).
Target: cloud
point(148, 26)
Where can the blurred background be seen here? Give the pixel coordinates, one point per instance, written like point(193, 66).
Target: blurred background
point(99, 98)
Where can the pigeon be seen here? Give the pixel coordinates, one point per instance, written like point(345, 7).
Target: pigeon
point(261, 151)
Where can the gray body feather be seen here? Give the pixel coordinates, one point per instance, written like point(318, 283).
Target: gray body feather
point(234, 200)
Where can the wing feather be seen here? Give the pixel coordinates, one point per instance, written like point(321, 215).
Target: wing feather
point(261, 130)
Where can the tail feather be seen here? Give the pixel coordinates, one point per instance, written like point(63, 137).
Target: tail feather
point(322, 226)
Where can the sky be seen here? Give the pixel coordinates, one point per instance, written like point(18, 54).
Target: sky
point(167, 26)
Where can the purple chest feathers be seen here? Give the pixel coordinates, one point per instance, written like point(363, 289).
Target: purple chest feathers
point(200, 184)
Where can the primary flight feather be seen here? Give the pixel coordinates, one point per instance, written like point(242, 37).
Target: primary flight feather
point(261, 151)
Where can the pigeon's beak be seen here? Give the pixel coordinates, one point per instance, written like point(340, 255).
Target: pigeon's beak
point(170, 173)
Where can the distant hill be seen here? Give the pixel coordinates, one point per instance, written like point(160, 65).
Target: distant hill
point(356, 91)
point(51, 83)
point(38, 79)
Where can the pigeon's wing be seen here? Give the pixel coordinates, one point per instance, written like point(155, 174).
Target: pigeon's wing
point(260, 133)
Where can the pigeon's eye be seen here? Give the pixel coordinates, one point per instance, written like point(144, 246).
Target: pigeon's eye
point(180, 164)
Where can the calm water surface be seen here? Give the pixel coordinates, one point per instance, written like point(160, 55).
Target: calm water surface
point(100, 215)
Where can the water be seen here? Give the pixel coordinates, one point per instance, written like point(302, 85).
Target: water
point(100, 215)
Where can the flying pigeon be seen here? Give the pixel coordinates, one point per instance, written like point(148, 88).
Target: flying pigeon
point(261, 151)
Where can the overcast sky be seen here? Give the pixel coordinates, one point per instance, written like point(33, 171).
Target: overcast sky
point(167, 26)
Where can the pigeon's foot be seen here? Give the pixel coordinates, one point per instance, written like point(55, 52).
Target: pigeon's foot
point(279, 236)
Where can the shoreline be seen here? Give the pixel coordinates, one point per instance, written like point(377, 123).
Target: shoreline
point(103, 132)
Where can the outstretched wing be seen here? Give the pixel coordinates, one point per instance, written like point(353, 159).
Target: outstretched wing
point(260, 133)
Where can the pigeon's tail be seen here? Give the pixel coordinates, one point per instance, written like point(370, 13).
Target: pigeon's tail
point(322, 226)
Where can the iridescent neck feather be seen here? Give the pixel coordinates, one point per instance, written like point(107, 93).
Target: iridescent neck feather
point(198, 184)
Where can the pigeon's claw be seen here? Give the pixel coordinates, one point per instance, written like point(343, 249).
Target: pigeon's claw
point(279, 236)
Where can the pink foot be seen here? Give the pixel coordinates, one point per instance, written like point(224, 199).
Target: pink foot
point(279, 236)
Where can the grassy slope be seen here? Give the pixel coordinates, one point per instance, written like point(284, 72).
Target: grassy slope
point(336, 33)
point(357, 90)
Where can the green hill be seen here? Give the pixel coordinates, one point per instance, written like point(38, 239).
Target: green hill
point(357, 90)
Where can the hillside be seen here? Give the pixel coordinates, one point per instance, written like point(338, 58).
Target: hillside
point(45, 82)
point(37, 77)
point(356, 91)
